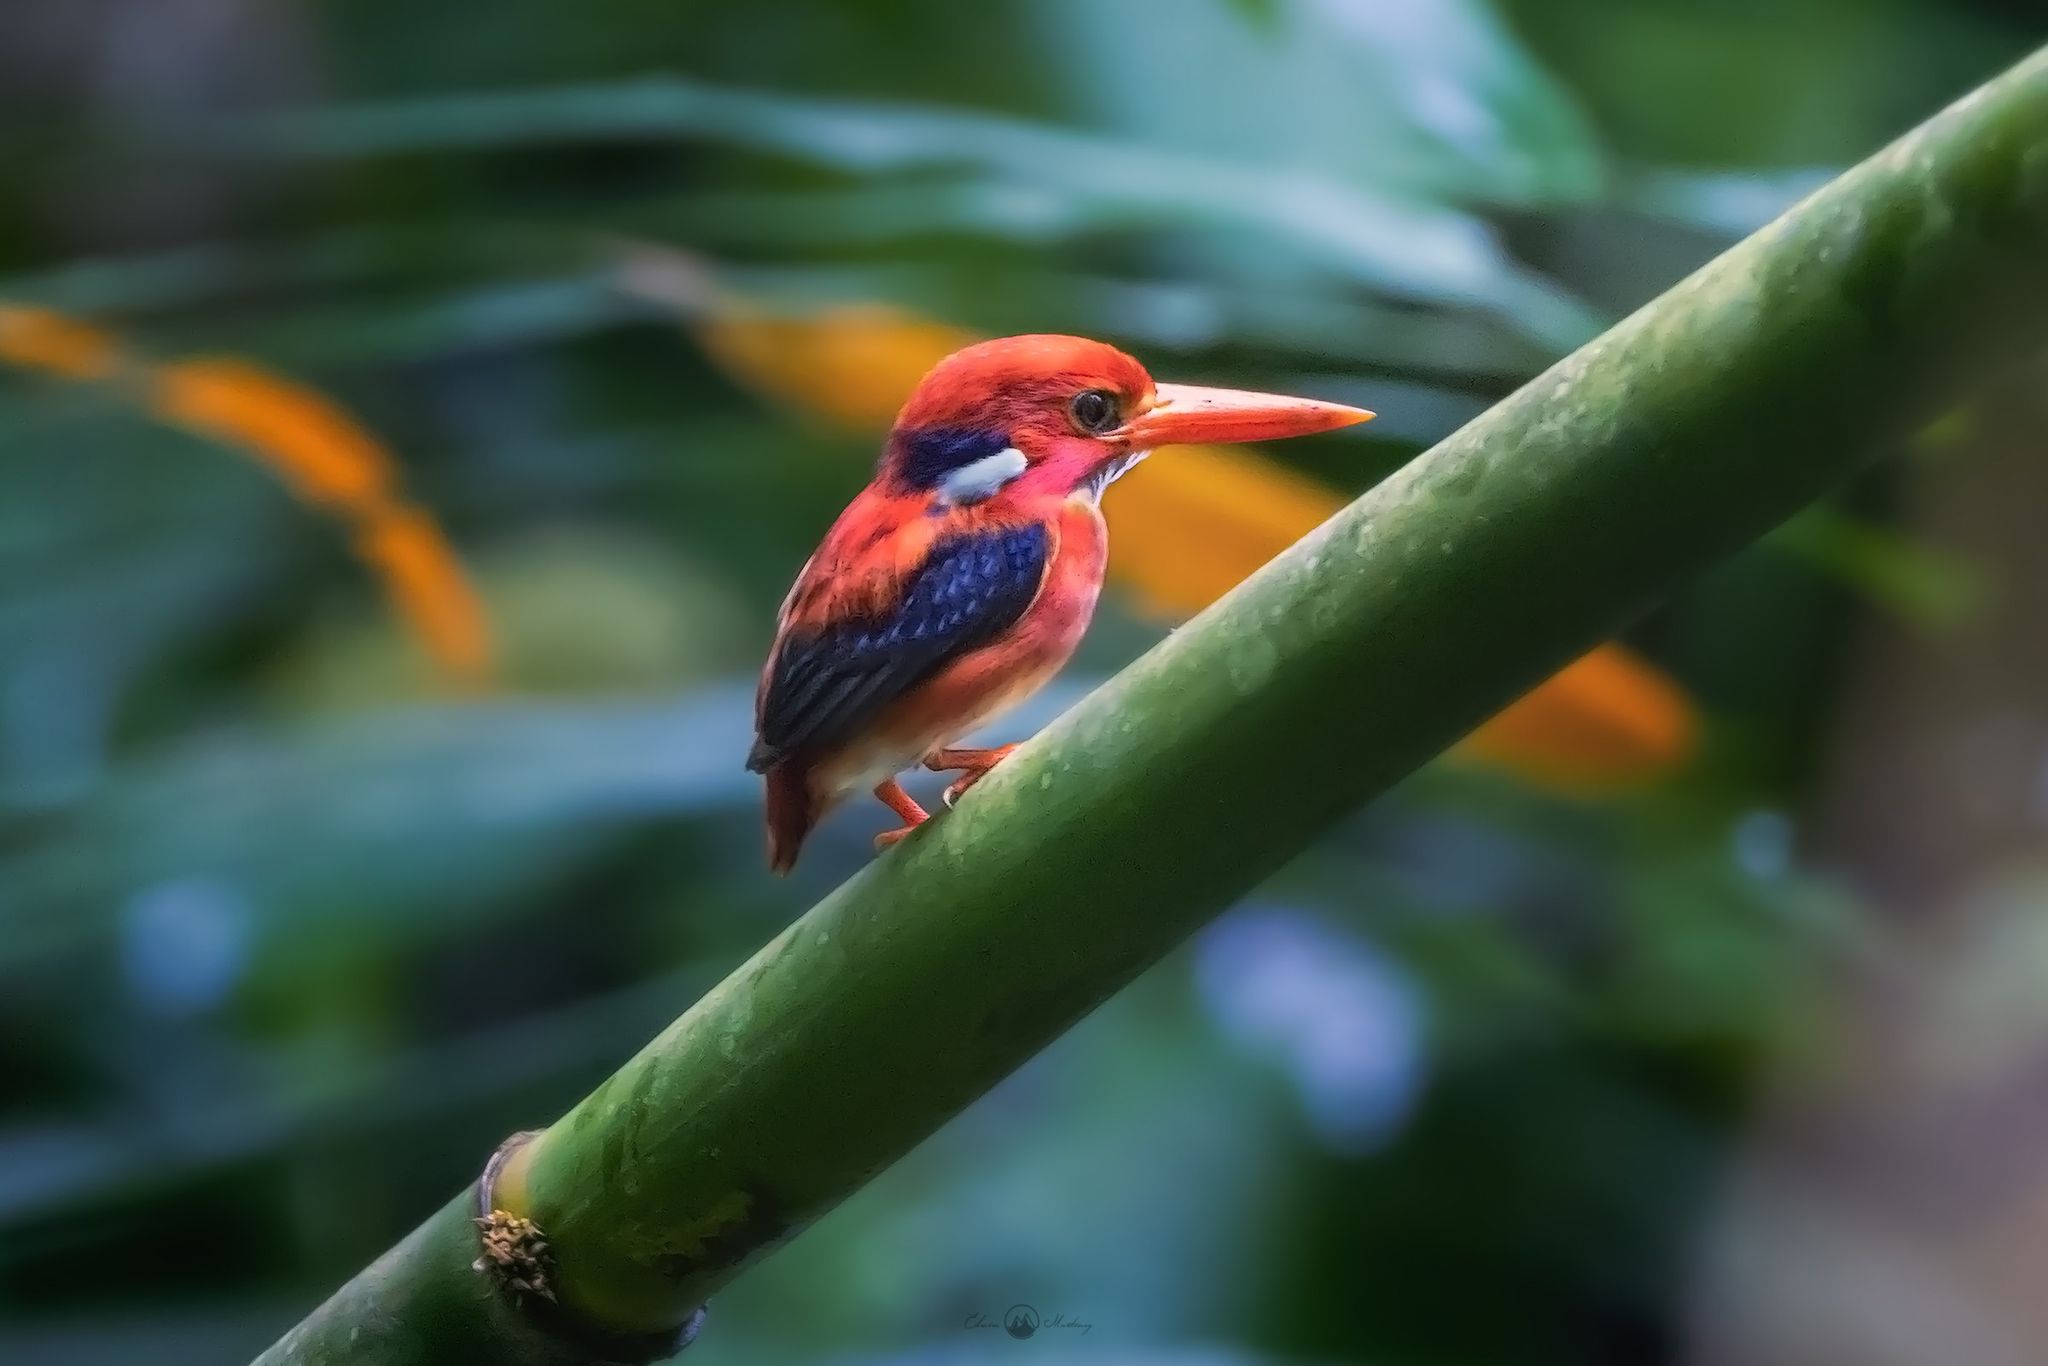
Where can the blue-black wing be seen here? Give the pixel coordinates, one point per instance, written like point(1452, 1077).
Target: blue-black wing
point(828, 684)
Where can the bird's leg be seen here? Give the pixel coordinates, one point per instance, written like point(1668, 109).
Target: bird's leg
point(973, 765)
point(896, 799)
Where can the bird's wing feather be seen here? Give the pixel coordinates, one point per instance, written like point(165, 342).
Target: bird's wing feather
point(829, 680)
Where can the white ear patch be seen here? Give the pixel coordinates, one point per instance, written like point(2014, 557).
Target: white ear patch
point(982, 479)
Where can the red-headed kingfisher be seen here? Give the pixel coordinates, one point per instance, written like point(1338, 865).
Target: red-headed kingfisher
point(961, 579)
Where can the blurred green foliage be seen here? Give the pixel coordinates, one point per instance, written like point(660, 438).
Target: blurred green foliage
point(288, 940)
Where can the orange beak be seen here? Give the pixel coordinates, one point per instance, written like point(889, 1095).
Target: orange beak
point(1185, 414)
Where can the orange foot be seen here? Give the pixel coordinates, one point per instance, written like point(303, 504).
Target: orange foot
point(896, 799)
point(975, 762)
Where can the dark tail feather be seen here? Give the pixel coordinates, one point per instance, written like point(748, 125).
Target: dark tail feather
point(790, 814)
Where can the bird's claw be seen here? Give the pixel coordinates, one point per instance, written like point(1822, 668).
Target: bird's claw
point(976, 764)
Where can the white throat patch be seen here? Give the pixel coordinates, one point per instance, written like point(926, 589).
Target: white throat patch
point(1091, 488)
point(984, 478)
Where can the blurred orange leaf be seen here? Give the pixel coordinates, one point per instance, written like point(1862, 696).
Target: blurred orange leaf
point(1606, 722)
point(851, 365)
point(1202, 519)
point(322, 453)
point(427, 583)
point(317, 448)
point(37, 339)
point(1197, 522)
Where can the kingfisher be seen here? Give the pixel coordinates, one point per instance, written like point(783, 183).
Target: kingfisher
point(959, 581)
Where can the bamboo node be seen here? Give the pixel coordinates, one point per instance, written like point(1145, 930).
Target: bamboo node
point(518, 1258)
point(515, 1254)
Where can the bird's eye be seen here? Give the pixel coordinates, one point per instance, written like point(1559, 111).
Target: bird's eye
point(1094, 410)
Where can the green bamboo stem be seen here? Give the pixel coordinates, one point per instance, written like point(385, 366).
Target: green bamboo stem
point(1686, 431)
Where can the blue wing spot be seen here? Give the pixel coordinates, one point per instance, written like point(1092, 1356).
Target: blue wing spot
point(829, 684)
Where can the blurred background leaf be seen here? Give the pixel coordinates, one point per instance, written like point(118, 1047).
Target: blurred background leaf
point(320, 451)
